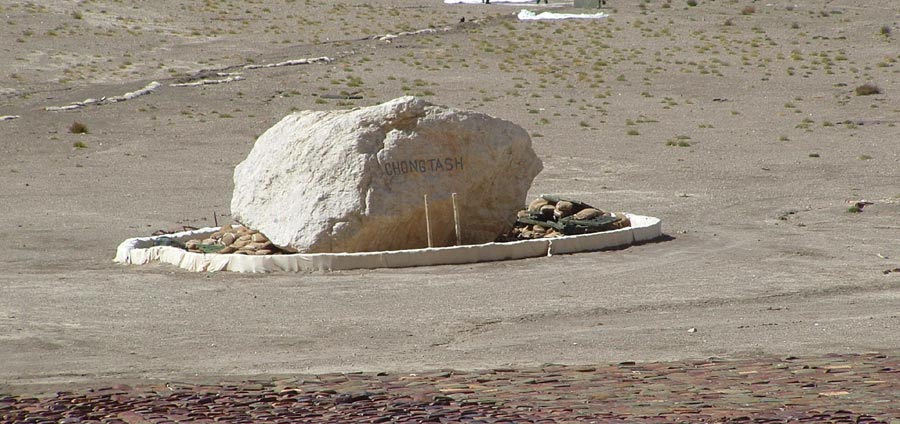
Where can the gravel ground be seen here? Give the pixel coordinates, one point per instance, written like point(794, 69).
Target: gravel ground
point(866, 388)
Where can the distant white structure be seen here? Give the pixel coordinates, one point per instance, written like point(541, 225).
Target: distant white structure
point(527, 15)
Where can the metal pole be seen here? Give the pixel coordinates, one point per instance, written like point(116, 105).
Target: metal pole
point(456, 221)
point(427, 221)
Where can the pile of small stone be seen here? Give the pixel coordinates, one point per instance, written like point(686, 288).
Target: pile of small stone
point(237, 240)
point(551, 216)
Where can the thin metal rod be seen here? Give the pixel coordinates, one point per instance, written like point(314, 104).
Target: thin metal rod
point(427, 221)
point(456, 221)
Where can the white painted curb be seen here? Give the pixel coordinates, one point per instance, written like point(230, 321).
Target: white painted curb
point(142, 250)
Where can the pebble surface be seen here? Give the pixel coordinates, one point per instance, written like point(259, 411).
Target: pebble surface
point(833, 389)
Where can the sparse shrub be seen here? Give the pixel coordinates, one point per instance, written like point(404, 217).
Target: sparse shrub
point(867, 90)
point(864, 157)
point(854, 209)
point(78, 128)
point(79, 145)
point(633, 132)
point(748, 10)
point(679, 141)
point(691, 3)
point(813, 155)
point(76, 14)
point(886, 30)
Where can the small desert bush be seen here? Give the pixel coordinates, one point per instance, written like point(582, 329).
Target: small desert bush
point(79, 145)
point(886, 31)
point(679, 141)
point(748, 10)
point(78, 128)
point(691, 3)
point(867, 90)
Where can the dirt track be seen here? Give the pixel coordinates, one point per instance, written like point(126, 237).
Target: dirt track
point(762, 256)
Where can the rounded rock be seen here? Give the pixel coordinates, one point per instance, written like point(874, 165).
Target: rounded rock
point(589, 213)
point(240, 243)
point(228, 238)
point(536, 204)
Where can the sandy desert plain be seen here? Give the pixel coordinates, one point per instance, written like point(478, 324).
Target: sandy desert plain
point(737, 122)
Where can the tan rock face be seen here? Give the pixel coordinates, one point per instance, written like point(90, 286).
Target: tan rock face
point(355, 181)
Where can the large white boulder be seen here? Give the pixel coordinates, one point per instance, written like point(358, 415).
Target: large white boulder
point(354, 180)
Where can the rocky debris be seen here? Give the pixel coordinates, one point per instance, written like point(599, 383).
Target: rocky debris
point(355, 180)
point(237, 240)
point(834, 389)
point(552, 216)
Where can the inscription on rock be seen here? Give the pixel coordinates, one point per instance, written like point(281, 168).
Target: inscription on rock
point(422, 166)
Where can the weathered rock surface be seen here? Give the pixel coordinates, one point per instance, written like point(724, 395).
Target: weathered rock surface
point(353, 181)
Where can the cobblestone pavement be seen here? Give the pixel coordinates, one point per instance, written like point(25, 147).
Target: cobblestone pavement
point(837, 388)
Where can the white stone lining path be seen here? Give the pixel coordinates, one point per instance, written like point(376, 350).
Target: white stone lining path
point(209, 81)
point(153, 86)
point(389, 37)
point(305, 61)
point(230, 77)
point(147, 89)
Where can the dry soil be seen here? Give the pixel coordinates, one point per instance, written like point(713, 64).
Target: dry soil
point(737, 122)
